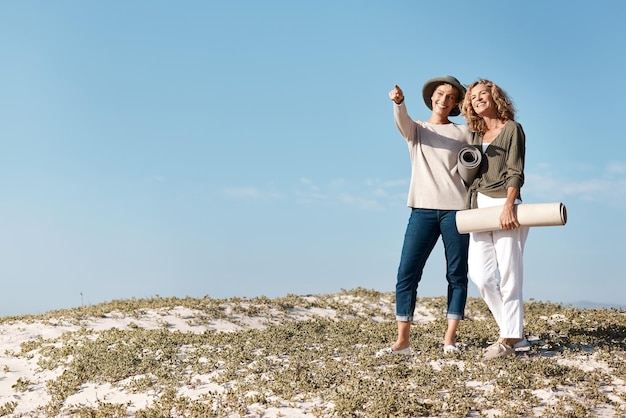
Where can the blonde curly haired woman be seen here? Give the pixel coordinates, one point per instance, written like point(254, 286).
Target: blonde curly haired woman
point(495, 258)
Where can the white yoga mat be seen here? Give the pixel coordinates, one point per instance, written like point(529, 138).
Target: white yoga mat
point(528, 214)
point(468, 163)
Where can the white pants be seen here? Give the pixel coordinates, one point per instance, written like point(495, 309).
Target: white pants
point(495, 265)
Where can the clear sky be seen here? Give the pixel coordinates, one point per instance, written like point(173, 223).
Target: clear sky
point(247, 148)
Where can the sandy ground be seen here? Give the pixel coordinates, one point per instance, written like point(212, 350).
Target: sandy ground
point(14, 369)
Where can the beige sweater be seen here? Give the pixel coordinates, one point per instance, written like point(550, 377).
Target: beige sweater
point(435, 181)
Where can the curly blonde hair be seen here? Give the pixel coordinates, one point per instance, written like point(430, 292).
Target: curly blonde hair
point(504, 106)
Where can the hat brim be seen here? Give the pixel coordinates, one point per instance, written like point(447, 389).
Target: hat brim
point(433, 83)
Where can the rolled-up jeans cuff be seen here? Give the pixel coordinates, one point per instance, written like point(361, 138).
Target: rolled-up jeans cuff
point(454, 316)
point(405, 318)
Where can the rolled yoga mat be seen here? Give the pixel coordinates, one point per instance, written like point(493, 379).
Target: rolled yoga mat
point(468, 163)
point(528, 214)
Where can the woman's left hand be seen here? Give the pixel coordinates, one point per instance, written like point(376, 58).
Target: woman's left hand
point(508, 218)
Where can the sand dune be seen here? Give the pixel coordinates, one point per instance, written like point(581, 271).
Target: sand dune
point(304, 356)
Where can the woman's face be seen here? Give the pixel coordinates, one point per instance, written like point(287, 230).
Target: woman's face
point(444, 99)
point(482, 101)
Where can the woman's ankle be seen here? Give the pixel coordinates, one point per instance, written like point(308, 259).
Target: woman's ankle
point(511, 341)
point(449, 339)
point(399, 345)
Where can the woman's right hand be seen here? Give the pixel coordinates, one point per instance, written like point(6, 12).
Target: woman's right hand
point(508, 218)
point(396, 95)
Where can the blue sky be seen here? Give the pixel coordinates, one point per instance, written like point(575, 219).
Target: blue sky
point(245, 148)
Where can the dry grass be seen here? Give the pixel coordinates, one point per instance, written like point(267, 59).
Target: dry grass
point(316, 354)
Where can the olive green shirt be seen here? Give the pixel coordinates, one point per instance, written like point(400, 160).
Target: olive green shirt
point(502, 165)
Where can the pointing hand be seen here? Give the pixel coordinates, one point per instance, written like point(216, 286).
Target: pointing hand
point(396, 95)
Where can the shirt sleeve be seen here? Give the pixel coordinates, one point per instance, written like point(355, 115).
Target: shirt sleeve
point(408, 127)
point(516, 157)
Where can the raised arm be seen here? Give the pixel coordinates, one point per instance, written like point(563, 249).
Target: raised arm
point(406, 125)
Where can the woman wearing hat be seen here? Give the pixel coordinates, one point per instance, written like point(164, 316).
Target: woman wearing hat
point(436, 192)
point(495, 257)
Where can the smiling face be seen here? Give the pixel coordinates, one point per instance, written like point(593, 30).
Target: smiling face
point(444, 99)
point(482, 100)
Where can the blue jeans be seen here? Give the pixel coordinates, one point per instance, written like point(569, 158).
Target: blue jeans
point(424, 228)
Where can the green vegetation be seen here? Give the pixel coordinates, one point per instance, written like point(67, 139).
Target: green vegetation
point(326, 365)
